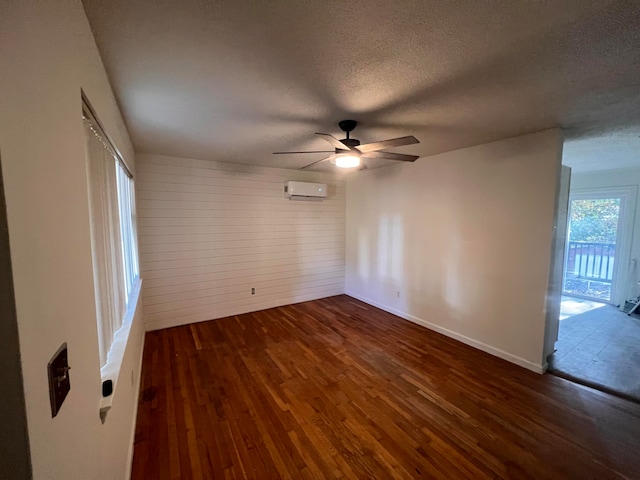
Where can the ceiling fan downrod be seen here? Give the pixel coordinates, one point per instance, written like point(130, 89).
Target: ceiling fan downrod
point(347, 126)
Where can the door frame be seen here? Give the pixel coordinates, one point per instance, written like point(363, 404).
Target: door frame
point(627, 195)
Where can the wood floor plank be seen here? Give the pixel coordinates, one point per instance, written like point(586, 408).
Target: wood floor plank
point(336, 388)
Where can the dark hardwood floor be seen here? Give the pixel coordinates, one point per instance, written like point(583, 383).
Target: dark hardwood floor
point(336, 388)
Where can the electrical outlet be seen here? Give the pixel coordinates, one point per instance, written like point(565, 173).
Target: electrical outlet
point(398, 294)
point(253, 291)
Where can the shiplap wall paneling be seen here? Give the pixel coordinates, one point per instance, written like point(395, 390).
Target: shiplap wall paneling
point(209, 232)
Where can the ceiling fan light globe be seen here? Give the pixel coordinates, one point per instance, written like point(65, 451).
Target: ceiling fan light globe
point(347, 161)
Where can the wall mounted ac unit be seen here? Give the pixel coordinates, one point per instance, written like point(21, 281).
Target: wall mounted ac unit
point(305, 191)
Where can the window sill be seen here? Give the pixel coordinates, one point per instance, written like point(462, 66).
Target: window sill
point(112, 369)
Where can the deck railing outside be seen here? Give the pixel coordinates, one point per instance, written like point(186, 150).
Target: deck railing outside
point(591, 261)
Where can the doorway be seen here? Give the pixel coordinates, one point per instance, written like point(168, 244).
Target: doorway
point(597, 247)
point(15, 461)
point(598, 344)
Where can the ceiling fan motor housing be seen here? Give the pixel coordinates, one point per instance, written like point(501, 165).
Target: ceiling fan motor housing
point(350, 142)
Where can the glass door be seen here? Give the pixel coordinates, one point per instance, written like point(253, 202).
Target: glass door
point(593, 246)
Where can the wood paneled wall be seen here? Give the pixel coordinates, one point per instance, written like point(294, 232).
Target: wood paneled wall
point(209, 232)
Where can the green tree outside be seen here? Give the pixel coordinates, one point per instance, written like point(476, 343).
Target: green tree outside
point(594, 220)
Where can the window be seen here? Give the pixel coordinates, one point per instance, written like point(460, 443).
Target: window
point(113, 233)
point(126, 201)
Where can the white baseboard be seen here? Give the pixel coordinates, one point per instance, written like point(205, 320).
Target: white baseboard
point(522, 362)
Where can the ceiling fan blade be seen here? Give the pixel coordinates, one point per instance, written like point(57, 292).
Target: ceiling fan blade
point(318, 161)
point(334, 141)
point(308, 151)
point(394, 142)
point(391, 156)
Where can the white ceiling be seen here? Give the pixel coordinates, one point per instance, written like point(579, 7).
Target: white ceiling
point(236, 80)
point(608, 151)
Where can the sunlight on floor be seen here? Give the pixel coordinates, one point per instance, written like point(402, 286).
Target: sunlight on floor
point(573, 306)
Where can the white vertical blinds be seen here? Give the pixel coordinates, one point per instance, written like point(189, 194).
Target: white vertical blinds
point(114, 250)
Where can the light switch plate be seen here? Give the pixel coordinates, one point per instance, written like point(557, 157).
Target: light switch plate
point(59, 384)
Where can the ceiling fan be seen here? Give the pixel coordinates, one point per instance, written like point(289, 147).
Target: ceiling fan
point(349, 153)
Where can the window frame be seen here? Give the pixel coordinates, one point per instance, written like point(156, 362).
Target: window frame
point(124, 181)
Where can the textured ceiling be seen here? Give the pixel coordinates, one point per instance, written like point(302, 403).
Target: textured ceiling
point(236, 80)
point(612, 150)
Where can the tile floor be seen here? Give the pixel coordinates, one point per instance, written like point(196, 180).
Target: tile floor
point(598, 345)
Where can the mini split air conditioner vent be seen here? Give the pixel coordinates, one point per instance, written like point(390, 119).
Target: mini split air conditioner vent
point(305, 191)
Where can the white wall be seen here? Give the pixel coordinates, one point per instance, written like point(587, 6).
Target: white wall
point(48, 55)
point(613, 179)
point(461, 242)
point(211, 231)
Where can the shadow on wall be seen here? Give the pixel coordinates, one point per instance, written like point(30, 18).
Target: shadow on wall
point(415, 266)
